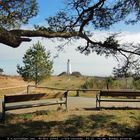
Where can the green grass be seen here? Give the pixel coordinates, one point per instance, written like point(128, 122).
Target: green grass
point(68, 82)
point(26, 116)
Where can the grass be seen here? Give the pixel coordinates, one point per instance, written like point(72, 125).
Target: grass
point(11, 91)
point(124, 123)
point(100, 123)
point(72, 82)
point(64, 82)
point(83, 94)
point(9, 82)
point(68, 82)
point(26, 116)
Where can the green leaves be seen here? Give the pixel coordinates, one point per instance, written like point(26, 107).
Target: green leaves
point(14, 13)
point(36, 64)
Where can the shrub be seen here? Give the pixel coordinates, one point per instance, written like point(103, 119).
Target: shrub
point(76, 73)
point(136, 83)
point(88, 84)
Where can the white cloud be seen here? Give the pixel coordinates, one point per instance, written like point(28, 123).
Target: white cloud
point(129, 37)
point(87, 65)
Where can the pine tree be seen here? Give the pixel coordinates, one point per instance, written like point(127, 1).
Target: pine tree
point(37, 64)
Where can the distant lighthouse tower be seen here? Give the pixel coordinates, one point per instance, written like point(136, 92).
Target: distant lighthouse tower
point(68, 67)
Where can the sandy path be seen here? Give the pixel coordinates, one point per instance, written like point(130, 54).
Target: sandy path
point(12, 87)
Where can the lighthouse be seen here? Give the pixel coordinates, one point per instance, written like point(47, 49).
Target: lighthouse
point(68, 67)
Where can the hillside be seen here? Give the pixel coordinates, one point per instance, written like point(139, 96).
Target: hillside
point(11, 85)
point(11, 81)
point(64, 81)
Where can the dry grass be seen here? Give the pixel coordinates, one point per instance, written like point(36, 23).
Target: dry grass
point(12, 91)
point(124, 123)
point(67, 82)
point(11, 85)
point(64, 82)
point(11, 81)
point(100, 123)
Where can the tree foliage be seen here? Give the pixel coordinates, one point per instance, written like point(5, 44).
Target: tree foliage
point(13, 13)
point(37, 64)
point(122, 71)
point(108, 81)
point(79, 19)
point(1, 71)
point(129, 67)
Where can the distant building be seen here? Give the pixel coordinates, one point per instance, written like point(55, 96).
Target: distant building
point(68, 67)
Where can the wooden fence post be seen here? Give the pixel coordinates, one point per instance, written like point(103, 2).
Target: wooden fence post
point(66, 102)
point(77, 93)
point(3, 109)
point(28, 89)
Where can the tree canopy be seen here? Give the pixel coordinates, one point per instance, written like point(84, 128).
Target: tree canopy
point(129, 67)
point(79, 19)
point(1, 71)
point(37, 64)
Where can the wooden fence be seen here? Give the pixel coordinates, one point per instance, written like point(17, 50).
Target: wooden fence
point(52, 88)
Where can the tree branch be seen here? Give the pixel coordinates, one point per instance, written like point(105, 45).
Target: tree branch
point(84, 36)
point(46, 34)
point(14, 38)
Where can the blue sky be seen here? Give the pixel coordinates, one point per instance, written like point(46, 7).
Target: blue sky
point(46, 8)
point(50, 7)
point(87, 65)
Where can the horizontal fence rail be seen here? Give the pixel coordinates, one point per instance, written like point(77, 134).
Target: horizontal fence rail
point(52, 88)
point(76, 90)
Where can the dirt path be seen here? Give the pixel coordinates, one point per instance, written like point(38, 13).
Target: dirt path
point(12, 87)
point(78, 103)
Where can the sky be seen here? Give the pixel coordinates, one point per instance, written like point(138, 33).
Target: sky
point(92, 64)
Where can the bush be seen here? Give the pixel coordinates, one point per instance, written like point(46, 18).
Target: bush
point(94, 83)
point(109, 82)
point(62, 74)
point(136, 83)
point(76, 73)
point(88, 84)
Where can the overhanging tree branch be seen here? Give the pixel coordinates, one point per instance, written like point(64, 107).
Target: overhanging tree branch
point(115, 47)
point(14, 38)
point(99, 14)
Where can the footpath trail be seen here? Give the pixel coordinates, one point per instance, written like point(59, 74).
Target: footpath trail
point(12, 87)
point(77, 103)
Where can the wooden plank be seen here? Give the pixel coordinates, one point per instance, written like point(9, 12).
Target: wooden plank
point(120, 93)
point(33, 105)
point(31, 97)
point(22, 98)
point(107, 100)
